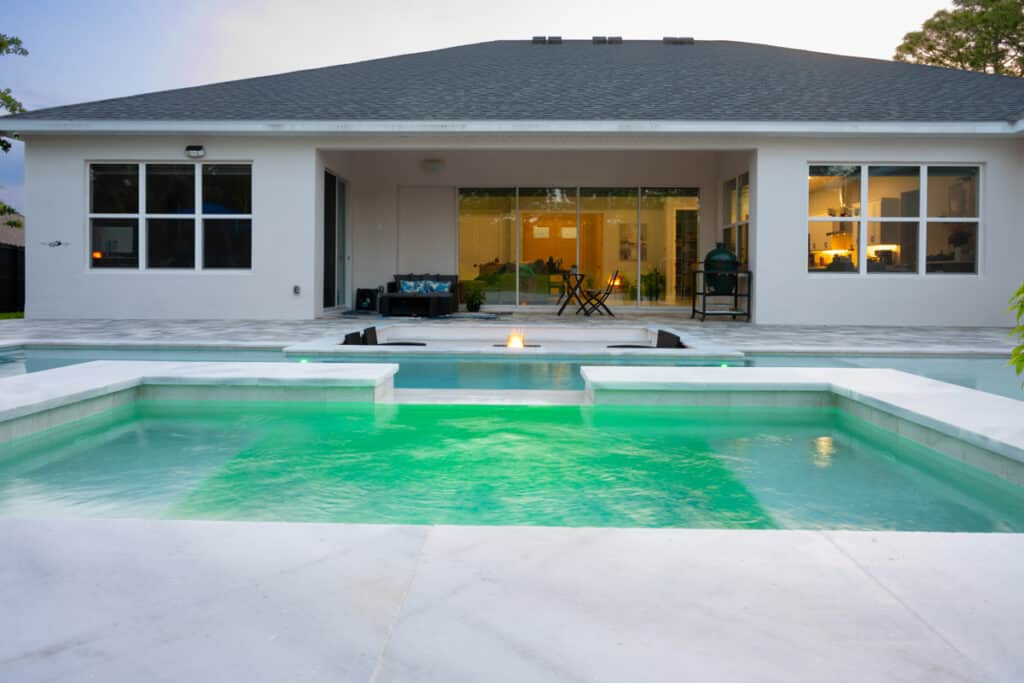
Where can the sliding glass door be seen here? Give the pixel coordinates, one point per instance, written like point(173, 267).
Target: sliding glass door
point(547, 219)
point(665, 263)
point(608, 246)
point(519, 241)
point(487, 241)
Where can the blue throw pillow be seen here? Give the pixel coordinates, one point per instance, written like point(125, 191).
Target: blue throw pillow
point(410, 286)
point(439, 286)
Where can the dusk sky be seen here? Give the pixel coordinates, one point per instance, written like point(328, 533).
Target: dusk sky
point(93, 49)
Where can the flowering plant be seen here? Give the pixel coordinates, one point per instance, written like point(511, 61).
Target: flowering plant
point(1017, 308)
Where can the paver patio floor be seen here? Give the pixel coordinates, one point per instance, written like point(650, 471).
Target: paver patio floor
point(131, 600)
point(742, 336)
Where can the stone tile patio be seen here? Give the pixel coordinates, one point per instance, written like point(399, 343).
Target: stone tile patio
point(742, 336)
point(134, 600)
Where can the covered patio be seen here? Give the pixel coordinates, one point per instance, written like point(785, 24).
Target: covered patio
point(515, 221)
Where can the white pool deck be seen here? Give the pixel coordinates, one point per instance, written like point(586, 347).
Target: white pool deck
point(131, 600)
point(465, 339)
point(262, 334)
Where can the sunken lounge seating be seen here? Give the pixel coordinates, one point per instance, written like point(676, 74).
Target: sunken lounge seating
point(422, 295)
point(666, 340)
point(368, 337)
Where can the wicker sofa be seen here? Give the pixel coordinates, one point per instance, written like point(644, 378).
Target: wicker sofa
point(420, 303)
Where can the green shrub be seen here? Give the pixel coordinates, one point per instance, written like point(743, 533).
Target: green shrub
point(1017, 308)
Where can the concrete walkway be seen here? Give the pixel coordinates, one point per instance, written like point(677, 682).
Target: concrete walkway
point(742, 336)
point(125, 600)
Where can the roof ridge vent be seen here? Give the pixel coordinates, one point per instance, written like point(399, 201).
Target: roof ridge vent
point(554, 40)
point(615, 40)
point(678, 40)
point(599, 40)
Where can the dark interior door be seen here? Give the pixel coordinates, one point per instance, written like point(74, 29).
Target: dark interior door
point(687, 255)
point(330, 239)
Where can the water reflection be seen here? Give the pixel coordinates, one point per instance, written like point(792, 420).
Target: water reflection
point(824, 449)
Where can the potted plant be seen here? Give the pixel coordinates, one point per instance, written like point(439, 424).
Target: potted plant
point(627, 287)
point(474, 296)
point(652, 284)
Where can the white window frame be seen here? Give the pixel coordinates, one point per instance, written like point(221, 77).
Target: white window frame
point(142, 216)
point(740, 221)
point(922, 219)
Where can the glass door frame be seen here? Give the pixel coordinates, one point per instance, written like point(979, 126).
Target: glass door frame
point(339, 258)
point(740, 226)
point(636, 303)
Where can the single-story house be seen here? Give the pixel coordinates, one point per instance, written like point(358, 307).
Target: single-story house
point(855, 190)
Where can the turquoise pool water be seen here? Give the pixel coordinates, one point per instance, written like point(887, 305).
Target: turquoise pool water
point(447, 372)
point(499, 465)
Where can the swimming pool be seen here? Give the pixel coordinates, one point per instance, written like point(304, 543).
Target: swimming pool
point(600, 466)
point(482, 372)
point(993, 375)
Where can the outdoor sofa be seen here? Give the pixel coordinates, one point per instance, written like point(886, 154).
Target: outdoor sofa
point(427, 295)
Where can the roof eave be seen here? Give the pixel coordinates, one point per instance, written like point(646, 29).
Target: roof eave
point(477, 126)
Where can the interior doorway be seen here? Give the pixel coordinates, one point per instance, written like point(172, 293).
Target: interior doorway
point(688, 252)
point(334, 241)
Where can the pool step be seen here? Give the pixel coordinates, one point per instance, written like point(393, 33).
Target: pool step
point(533, 397)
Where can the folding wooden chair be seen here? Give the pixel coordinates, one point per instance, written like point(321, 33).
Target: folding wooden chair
point(596, 298)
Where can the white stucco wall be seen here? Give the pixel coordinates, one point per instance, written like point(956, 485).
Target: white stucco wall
point(427, 218)
point(60, 283)
point(786, 293)
point(380, 172)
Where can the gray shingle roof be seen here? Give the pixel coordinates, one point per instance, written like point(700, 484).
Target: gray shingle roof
point(578, 80)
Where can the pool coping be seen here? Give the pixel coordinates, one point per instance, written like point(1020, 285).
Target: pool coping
point(989, 422)
point(520, 397)
point(872, 351)
point(329, 346)
point(37, 401)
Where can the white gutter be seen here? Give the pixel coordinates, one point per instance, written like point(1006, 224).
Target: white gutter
point(298, 127)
